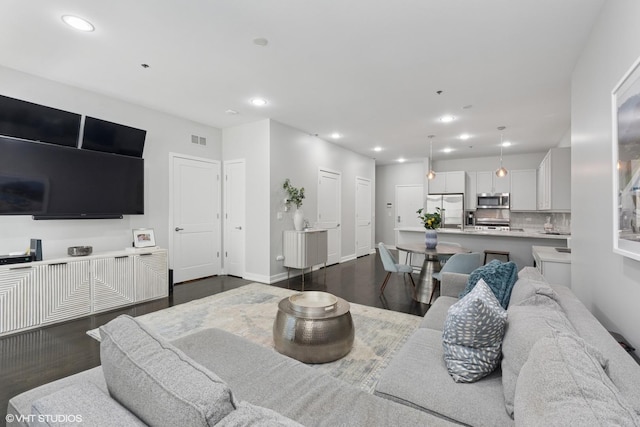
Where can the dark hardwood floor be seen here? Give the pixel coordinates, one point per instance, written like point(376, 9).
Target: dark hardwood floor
point(42, 355)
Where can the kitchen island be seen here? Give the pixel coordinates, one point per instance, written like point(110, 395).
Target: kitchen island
point(518, 243)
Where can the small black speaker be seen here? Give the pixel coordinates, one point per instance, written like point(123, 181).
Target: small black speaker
point(36, 249)
point(170, 281)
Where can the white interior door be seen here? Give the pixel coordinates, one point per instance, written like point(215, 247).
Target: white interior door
point(234, 217)
point(329, 211)
point(363, 216)
point(195, 224)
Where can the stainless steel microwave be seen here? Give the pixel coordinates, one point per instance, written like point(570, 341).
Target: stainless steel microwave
point(493, 201)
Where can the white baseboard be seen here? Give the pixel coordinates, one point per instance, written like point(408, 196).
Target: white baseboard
point(256, 278)
point(350, 257)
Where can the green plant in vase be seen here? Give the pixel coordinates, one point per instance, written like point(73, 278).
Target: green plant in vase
point(431, 222)
point(296, 196)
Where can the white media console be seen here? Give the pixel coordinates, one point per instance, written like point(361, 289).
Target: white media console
point(45, 292)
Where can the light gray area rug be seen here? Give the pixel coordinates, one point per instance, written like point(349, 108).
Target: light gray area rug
point(249, 311)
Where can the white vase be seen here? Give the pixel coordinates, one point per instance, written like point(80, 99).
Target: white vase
point(298, 219)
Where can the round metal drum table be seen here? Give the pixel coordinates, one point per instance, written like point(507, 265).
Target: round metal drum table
point(313, 327)
point(430, 264)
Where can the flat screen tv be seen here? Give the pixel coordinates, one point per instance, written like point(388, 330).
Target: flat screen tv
point(22, 119)
point(53, 182)
point(107, 137)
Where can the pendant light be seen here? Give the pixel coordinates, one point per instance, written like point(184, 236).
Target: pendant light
point(502, 172)
point(431, 173)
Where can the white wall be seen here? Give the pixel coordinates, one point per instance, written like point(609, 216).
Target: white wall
point(387, 177)
point(251, 143)
point(165, 133)
point(607, 283)
point(299, 156)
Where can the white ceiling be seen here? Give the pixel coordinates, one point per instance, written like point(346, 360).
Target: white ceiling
point(369, 69)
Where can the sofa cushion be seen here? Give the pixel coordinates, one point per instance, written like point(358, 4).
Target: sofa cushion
point(264, 377)
point(531, 292)
point(158, 382)
point(563, 383)
point(250, 415)
point(417, 377)
point(437, 313)
point(526, 324)
point(472, 334)
point(500, 276)
point(81, 404)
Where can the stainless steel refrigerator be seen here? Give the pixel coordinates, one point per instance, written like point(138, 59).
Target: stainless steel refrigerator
point(453, 206)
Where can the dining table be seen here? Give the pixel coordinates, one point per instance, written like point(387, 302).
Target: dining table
point(430, 265)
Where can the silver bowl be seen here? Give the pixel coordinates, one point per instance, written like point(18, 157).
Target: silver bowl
point(79, 250)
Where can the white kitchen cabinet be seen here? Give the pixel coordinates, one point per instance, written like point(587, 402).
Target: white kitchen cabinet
point(112, 282)
point(19, 298)
point(447, 183)
point(489, 182)
point(46, 292)
point(65, 290)
point(554, 180)
point(523, 190)
point(470, 193)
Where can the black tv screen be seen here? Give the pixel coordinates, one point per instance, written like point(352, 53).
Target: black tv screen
point(50, 181)
point(22, 119)
point(107, 137)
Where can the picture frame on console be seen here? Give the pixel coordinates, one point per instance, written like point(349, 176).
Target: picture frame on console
point(625, 103)
point(143, 238)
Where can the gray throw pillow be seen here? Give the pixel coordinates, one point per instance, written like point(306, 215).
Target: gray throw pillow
point(526, 325)
point(531, 292)
point(157, 382)
point(472, 334)
point(81, 404)
point(563, 383)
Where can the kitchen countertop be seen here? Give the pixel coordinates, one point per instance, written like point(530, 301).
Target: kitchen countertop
point(530, 234)
point(549, 254)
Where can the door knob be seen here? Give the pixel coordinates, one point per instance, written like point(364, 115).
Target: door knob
point(239, 228)
point(179, 229)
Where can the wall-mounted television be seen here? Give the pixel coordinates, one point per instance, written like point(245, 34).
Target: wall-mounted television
point(108, 137)
point(26, 120)
point(54, 182)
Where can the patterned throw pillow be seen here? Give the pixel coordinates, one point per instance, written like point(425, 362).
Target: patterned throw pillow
point(472, 334)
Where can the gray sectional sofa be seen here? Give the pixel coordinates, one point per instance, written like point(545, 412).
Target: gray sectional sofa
point(417, 375)
point(207, 378)
point(215, 378)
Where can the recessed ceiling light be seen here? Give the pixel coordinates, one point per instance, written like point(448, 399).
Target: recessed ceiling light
point(259, 102)
point(447, 150)
point(79, 24)
point(231, 112)
point(336, 135)
point(506, 144)
point(377, 149)
point(465, 136)
point(447, 118)
point(401, 160)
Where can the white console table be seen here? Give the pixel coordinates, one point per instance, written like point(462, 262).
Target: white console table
point(304, 249)
point(40, 293)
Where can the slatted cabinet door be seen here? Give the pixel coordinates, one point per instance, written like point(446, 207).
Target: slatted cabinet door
point(66, 292)
point(112, 281)
point(19, 298)
point(151, 275)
